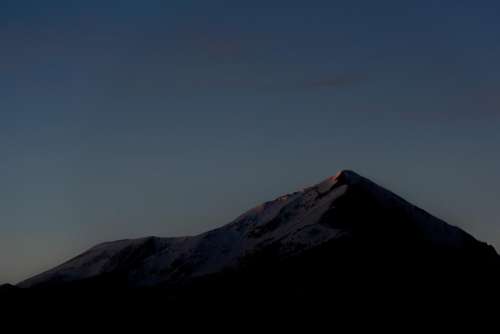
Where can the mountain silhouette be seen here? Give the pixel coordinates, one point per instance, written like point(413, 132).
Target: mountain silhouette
point(342, 235)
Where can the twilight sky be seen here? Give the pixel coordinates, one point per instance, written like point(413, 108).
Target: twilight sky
point(124, 119)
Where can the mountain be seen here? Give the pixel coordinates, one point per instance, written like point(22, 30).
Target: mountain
point(342, 233)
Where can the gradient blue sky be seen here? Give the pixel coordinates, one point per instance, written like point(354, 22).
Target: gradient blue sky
point(124, 119)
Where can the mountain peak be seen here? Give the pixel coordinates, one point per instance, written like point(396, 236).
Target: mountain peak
point(343, 209)
point(347, 176)
point(343, 177)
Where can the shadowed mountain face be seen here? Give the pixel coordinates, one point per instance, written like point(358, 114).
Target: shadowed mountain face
point(344, 233)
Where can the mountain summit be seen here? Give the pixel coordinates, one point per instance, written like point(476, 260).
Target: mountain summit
point(344, 230)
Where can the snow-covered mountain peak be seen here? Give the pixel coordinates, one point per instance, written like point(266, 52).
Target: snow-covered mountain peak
point(344, 176)
point(347, 176)
point(342, 206)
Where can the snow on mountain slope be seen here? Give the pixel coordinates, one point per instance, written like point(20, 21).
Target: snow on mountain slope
point(294, 222)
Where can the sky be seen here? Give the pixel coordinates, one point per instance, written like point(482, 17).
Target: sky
point(123, 119)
